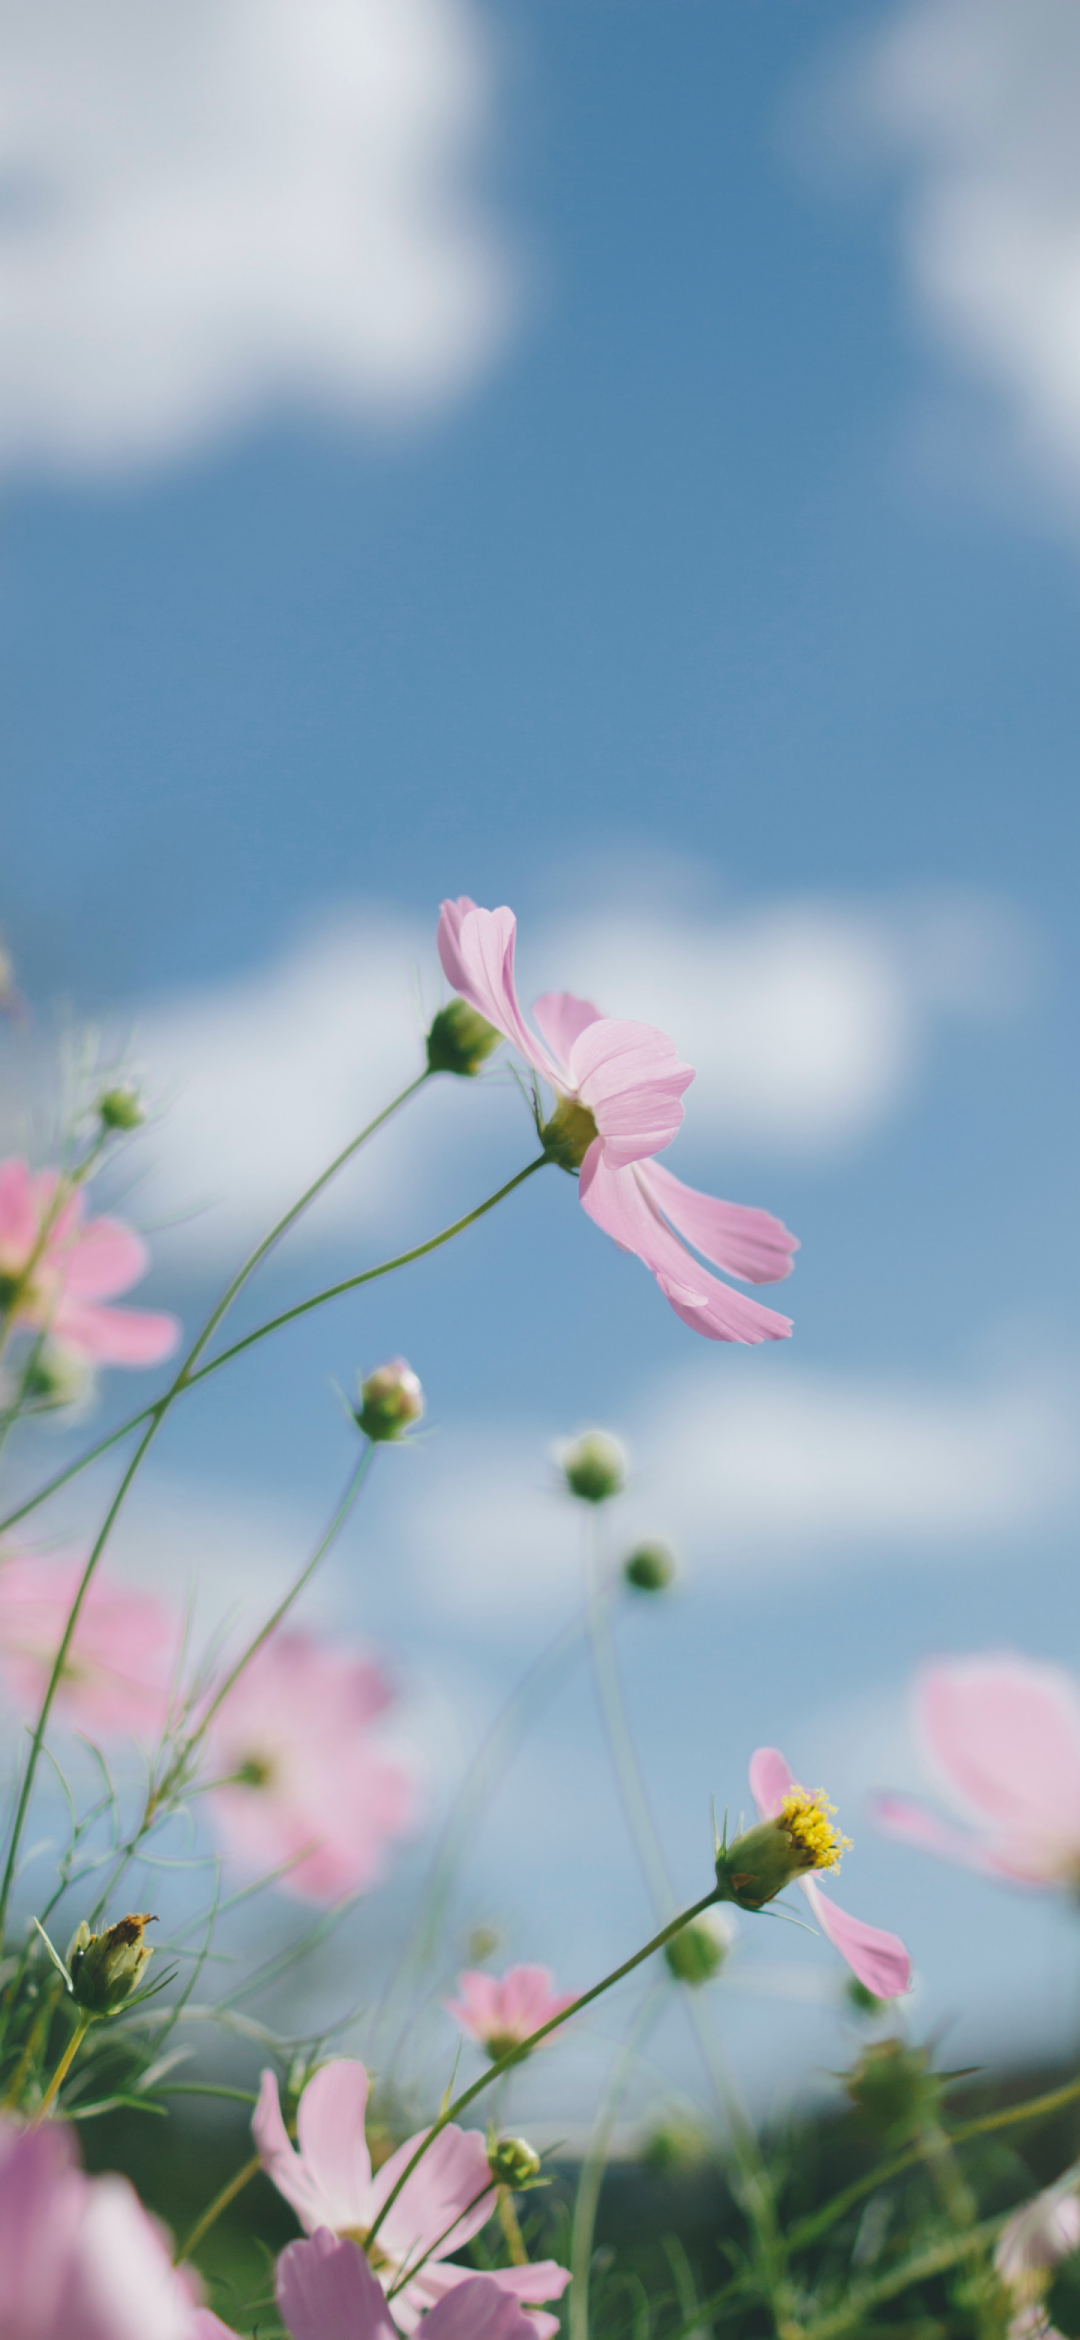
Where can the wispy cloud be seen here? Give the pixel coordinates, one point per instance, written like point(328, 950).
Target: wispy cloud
point(213, 210)
point(980, 98)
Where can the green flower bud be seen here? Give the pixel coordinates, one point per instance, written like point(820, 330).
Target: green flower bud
point(460, 1039)
point(513, 2163)
point(120, 1109)
point(390, 1399)
point(861, 2001)
point(594, 1466)
point(697, 1953)
point(482, 1943)
point(56, 1377)
point(760, 1863)
point(894, 2088)
point(650, 1569)
point(677, 2144)
point(106, 1968)
point(566, 1138)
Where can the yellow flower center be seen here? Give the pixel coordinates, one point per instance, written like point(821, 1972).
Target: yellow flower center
point(808, 1821)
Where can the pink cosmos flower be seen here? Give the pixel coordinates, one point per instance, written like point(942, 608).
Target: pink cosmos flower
point(83, 1262)
point(117, 1673)
point(1003, 1733)
point(502, 2011)
point(619, 1087)
point(1034, 2242)
point(296, 1740)
point(448, 2198)
point(79, 2258)
point(326, 2291)
point(879, 1960)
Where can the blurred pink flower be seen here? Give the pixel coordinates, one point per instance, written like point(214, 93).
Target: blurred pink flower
point(878, 1960)
point(1003, 1733)
point(619, 1087)
point(448, 2198)
point(83, 1262)
point(1041, 2234)
point(79, 2258)
point(326, 2291)
point(117, 1673)
point(502, 2011)
point(295, 1740)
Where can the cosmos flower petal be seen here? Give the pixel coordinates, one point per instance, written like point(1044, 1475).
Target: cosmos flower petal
point(18, 1213)
point(562, 1018)
point(1005, 1733)
point(114, 1336)
point(877, 1959)
point(107, 1258)
point(283, 2165)
point(476, 948)
point(771, 1779)
point(910, 1822)
point(448, 2198)
point(618, 1203)
point(747, 1243)
point(543, 2279)
point(632, 1081)
point(326, 2291)
point(330, 2134)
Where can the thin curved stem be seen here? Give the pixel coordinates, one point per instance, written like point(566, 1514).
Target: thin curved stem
point(524, 2047)
point(63, 2068)
point(220, 2202)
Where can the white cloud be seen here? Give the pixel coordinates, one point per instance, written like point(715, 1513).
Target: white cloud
point(766, 1477)
point(982, 97)
point(231, 205)
point(806, 1021)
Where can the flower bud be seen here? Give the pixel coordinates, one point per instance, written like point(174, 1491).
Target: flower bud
point(861, 2001)
point(761, 1862)
point(120, 1109)
point(594, 1466)
point(390, 1399)
point(513, 2163)
point(106, 1968)
point(482, 1943)
point(650, 1569)
point(56, 1377)
point(697, 1953)
point(460, 1039)
point(894, 2088)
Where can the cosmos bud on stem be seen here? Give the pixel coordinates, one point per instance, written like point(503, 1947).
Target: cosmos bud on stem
point(106, 1968)
point(761, 1862)
point(390, 1399)
point(594, 1466)
point(459, 1040)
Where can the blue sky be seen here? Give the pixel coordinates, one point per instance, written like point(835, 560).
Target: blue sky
point(698, 574)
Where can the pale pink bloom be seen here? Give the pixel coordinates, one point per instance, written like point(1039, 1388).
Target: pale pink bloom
point(297, 1740)
point(1041, 2234)
point(326, 2291)
point(879, 1960)
point(448, 2198)
point(83, 1263)
point(79, 2258)
point(117, 1672)
point(1003, 1734)
point(501, 2011)
point(629, 1078)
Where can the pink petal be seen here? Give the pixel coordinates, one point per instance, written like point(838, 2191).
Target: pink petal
point(106, 1258)
point(878, 1960)
point(478, 2007)
point(770, 1780)
point(543, 2279)
point(747, 1243)
point(476, 948)
point(561, 1018)
point(630, 1077)
point(480, 2308)
point(330, 2134)
point(448, 2198)
point(326, 2291)
point(114, 1336)
point(18, 1214)
point(617, 1201)
point(282, 2164)
point(912, 1823)
point(1005, 1732)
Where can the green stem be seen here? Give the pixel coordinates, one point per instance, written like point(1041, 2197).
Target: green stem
point(220, 2202)
point(63, 2067)
point(190, 1380)
point(524, 2047)
point(591, 2181)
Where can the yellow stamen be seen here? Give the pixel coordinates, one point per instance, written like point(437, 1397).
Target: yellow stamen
point(808, 1821)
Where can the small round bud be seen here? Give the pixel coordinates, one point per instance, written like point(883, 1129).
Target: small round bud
point(460, 1039)
point(650, 1569)
point(55, 1377)
point(390, 1399)
point(894, 2088)
point(697, 1953)
point(861, 2001)
point(120, 1109)
point(677, 2144)
point(513, 2163)
point(106, 1968)
point(594, 1466)
point(482, 1943)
